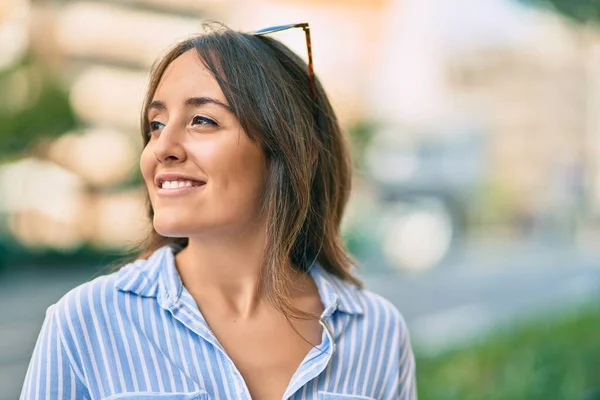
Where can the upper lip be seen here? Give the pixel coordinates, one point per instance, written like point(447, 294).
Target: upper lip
point(160, 178)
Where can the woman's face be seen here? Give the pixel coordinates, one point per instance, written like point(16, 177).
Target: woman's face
point(203, 173)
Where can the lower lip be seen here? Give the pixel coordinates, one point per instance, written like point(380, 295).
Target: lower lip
point(179, 191)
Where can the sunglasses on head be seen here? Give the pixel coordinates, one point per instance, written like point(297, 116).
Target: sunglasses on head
point(306, 28)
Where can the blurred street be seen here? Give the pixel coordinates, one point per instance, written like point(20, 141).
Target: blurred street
point(456, 303)
point(465, 298)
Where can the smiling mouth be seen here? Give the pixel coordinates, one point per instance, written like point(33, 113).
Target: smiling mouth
point(179, 184)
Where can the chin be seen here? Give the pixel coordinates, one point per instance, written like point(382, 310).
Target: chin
point(171, 226)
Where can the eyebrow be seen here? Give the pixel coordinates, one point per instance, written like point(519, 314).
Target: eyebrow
point(191, 102)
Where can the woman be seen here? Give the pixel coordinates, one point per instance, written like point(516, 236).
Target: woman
point(246, 290)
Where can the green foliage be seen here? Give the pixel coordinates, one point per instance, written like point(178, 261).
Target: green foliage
point(549, 359)
point(360, 137)
point(578, 10)
point(48, 114)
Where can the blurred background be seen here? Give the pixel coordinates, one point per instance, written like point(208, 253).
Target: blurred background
point(475, 126)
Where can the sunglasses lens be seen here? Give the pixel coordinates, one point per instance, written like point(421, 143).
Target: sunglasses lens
point(273, 29)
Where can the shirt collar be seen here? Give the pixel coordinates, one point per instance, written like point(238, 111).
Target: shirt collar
point(157, 277)
point(336, 294)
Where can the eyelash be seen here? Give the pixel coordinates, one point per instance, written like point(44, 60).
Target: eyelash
point(196, 120)
point(207, 121)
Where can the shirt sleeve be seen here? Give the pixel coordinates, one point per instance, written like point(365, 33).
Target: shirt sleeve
point(407, 380)
point(50, 374)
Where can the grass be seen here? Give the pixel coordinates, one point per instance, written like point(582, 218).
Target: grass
point(557, 358)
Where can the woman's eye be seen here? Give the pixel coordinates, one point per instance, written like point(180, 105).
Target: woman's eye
point(200, 120)
point(155, 126)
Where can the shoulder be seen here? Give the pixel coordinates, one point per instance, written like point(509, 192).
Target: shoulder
point(388, 329)
point(391, 346)
point(89, 302)
point(383, 320)
point(369, 307)
point(378, 308)
point(83, 301)
point(89, 313)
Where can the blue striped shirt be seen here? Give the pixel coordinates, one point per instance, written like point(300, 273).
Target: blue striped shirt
point(138, 334)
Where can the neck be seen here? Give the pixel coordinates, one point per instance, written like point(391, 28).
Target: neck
point(226, 269)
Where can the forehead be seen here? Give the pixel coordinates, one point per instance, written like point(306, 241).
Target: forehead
point(186, 77)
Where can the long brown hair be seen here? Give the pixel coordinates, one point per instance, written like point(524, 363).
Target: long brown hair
point(309, 169)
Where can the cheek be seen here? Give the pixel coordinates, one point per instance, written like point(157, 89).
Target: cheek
point(147, 164)
point(249, 169)
point(236, 164)
point(253, 178)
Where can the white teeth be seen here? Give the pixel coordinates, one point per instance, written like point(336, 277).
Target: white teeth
point(176, 184)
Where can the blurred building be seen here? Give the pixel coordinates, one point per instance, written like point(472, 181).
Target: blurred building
point(468, 95)
point(526, 77)
point(81, 187)
point(102, 52)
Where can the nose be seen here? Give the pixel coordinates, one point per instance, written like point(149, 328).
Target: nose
point(168, 147)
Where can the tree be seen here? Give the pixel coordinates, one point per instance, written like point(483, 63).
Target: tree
point(583, 11)
point(47, 115)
